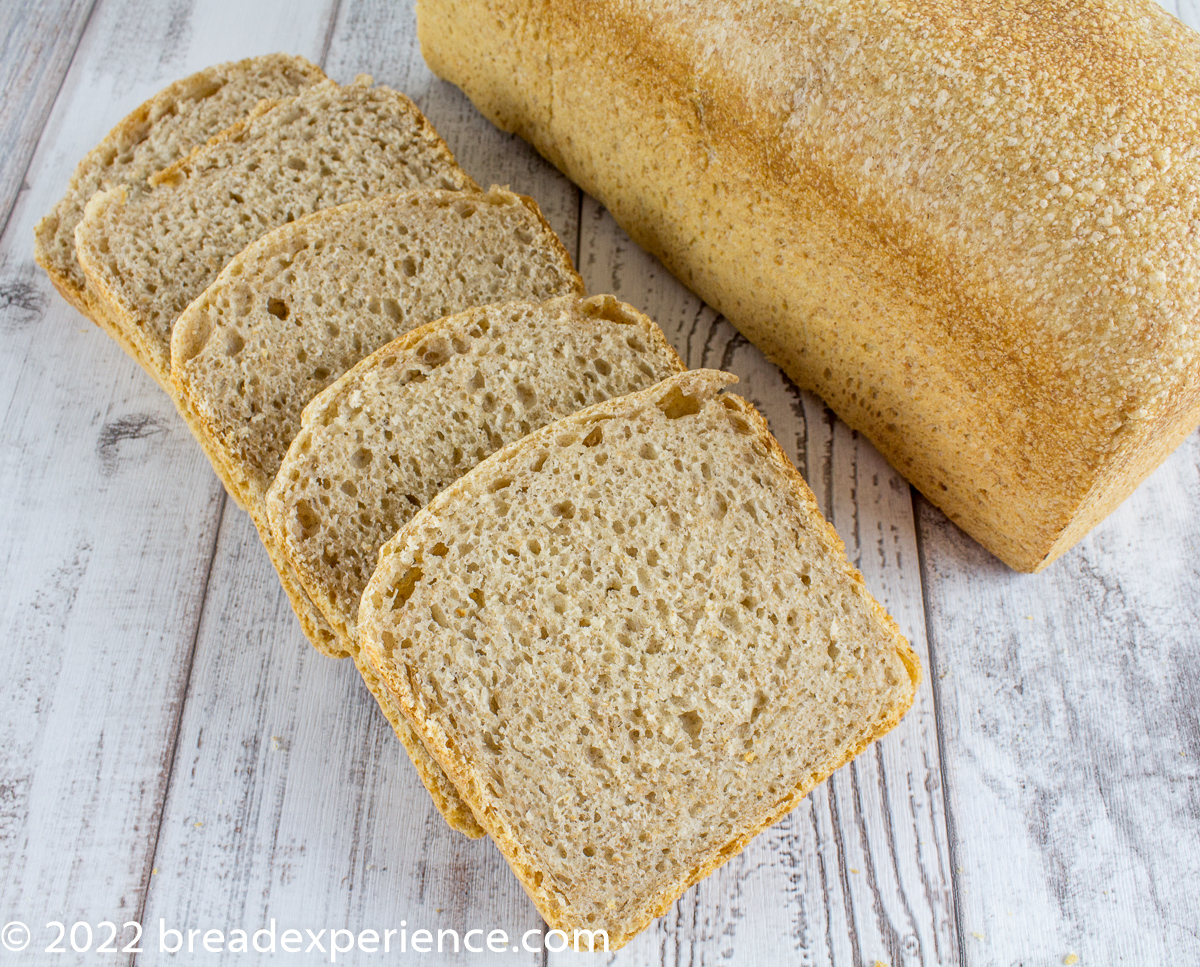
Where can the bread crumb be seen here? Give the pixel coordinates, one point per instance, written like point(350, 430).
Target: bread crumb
point(976, 934)
point(1071, 959)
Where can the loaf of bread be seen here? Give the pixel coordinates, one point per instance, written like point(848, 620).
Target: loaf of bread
point(303, 304)
point(147, 253)
point(632, 642)
point(972, 229)
point(152, 137)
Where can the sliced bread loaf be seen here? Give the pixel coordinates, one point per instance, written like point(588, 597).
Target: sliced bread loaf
point(148, 252)
point(632, 642)
point(413, 417)
point(157, 134)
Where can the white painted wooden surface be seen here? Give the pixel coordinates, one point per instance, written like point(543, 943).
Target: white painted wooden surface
point(170, 747)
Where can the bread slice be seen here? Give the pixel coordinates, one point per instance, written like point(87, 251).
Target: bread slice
point(632, 642)
point(148, 252)
point(157, 134)
point(413, 417)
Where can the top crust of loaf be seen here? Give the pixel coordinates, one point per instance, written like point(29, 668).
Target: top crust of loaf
point(148, 253)
point(301, 306)
point(632, 642)
point(970, 228)
point(417, 414)
point(158, 133)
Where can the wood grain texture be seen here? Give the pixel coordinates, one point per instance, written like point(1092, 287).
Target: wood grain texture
point(156, 678)
point(37, 41)
point(861, 870)
point(1071, 735)
point(110, 517)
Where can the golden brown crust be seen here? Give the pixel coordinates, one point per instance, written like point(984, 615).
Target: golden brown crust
point(445, 797)
point(973, 240)
point(465, 776)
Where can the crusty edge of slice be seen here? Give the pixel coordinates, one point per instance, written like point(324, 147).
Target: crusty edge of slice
point(399, 348)
point(122, 324)
point(441, 789)
point(177, 170)
point(120, 134)
point(444, 750)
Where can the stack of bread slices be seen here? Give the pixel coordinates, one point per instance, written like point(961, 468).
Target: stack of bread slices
point(591, 594)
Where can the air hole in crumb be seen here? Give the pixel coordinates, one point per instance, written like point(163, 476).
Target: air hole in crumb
point(692, 723)
point(404, 587)
point(392, 310)
point(360, 458)
point(308, 519)
point(675, 404)
point(278, 308)
point(596, 436)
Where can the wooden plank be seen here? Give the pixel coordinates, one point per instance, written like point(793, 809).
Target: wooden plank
point(291, 798)
point(110, 513)
point(1070, 733)
point(38, 41)
point(860, 870)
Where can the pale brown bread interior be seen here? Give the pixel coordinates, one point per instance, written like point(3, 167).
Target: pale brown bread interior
point(302, 305)
point(986, 267)
point(156, 134)
point(632, 642)
point(296, 310)
point(417, 414)
point(147, 253)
